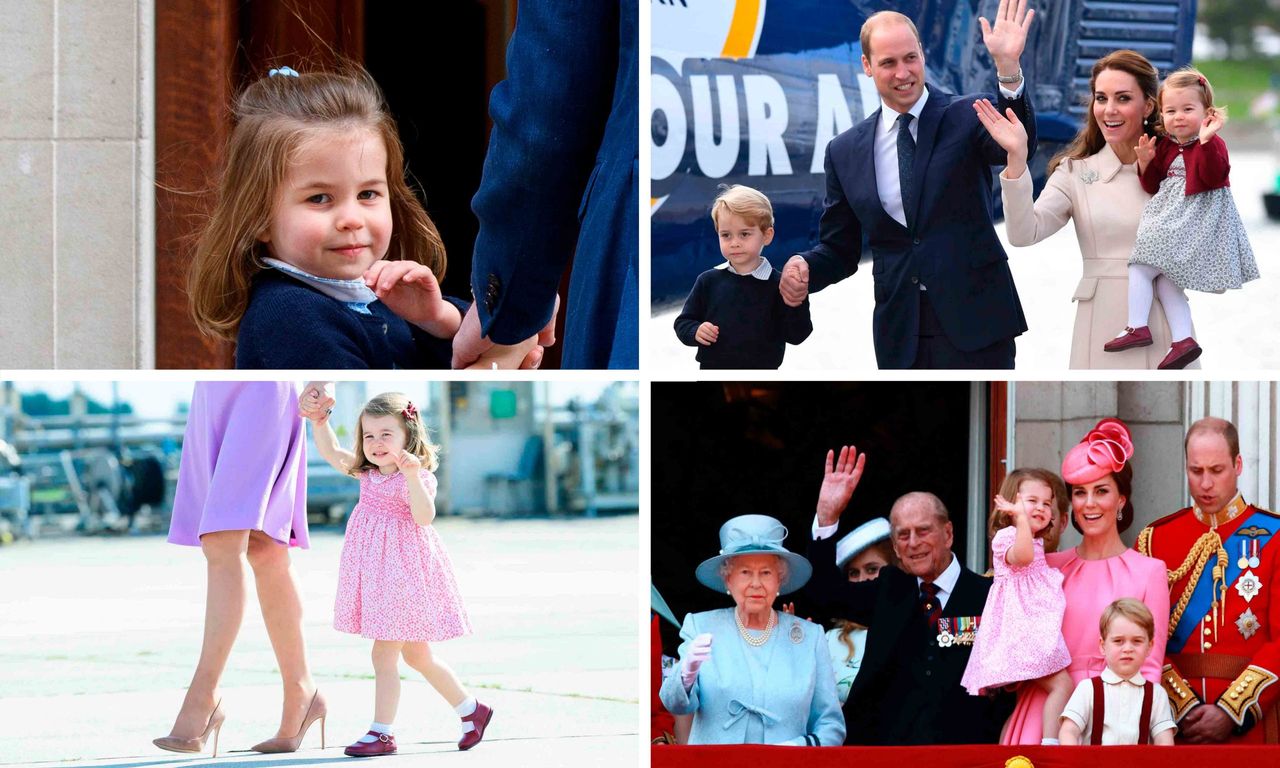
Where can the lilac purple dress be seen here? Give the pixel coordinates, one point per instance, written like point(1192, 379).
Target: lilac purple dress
point(244, 464)
point(1021, 633)
point(395, 581)
point(1090, 586)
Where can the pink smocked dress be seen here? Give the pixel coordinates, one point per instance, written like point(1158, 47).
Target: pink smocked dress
point(1021, 633)
point(1090, 586)
point(395, 581)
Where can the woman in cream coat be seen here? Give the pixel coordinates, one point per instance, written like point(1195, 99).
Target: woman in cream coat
point(1095, 182)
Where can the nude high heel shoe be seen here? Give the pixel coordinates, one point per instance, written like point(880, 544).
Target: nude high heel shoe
point(317, 710)
point(174, 744)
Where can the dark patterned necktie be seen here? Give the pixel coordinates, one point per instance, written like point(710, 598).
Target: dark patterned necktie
point(906, 160)
point(930, 605)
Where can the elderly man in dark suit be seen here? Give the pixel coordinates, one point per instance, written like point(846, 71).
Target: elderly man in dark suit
point(560, 180)
point(908, 688)
point(915, 179)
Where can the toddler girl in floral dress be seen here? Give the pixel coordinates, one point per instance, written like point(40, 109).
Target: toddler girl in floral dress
point(1020, 637)
point(395, 583)
point(1190, 236)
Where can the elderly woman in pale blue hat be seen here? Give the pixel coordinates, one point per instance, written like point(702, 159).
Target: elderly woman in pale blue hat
point(859, 555)
point(751, 674)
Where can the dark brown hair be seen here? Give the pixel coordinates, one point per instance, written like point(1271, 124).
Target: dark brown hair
point(1089, 139)
point(1124, 486)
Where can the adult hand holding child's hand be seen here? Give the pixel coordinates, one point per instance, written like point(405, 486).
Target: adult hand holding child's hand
point(471, 350)
point(316, 401)
point(794, 284)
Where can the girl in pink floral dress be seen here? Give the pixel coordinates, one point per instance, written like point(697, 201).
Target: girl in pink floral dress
point(395, 583)
point(1020, 637)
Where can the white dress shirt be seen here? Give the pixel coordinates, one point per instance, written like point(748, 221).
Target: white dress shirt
point(761, 272)
point(1122, 705)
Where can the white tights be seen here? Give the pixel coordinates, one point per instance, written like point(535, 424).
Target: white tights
point(1144, 281)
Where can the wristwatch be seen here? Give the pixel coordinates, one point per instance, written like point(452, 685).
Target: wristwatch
point(1010, 78)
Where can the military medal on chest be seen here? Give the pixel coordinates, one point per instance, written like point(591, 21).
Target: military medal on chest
point(1248, 555)
point(945, 638)
point(1248, 586)
point(1248, 624)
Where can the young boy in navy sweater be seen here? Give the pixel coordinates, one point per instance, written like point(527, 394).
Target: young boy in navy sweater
point(735, 314)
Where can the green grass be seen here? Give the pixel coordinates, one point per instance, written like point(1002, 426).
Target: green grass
point(1237, 83)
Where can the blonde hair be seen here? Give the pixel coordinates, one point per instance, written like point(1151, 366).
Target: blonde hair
point(417, 439)
point(1012, 486)
point(880, 18)
point(274, 116)
point(1192, 79)
point(749, 204)
point(1131, 609)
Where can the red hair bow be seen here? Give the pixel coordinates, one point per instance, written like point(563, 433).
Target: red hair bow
point(410, 412)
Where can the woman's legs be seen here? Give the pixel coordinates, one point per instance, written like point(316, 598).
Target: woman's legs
point(282, 612)
point(437, 673)
point(386, 674)
point(224, 611)
point(1176, 307)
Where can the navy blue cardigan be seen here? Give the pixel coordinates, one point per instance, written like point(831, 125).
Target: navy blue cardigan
point(289, 324)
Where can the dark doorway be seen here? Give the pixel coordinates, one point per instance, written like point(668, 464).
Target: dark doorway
point(725, 449)
point(433, 67)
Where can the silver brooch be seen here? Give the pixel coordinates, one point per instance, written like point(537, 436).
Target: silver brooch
point(797, 634)
point(1088, 176)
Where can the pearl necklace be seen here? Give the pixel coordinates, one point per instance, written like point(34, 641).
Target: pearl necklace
point(752, 640)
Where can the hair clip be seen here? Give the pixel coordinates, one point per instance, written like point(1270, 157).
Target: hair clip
point(283, 72)
point(410, 412)
point(1203, 84)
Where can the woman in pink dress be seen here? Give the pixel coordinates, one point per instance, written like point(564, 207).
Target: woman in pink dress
point(395, 581)
point(1100, 570)
point(242, 498)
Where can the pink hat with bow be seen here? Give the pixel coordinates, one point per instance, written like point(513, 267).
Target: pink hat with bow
point(1104, 451)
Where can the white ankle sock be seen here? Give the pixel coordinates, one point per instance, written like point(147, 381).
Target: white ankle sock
point(1047, 742)
point(466, 708)
point(379, 728)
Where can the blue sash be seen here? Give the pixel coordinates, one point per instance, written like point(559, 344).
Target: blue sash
point(1202, 598)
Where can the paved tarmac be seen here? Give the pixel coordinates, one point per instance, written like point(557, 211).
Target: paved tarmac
point(1229, 326)
point(99, 637)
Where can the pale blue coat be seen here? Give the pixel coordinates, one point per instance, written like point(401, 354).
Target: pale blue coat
point(775, 694)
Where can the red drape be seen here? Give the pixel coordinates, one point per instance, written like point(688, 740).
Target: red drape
point(969, 756)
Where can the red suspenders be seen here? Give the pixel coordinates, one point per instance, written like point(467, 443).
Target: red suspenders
point(1144, 721)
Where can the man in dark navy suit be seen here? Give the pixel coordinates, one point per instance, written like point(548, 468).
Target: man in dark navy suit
point(915, 179)
point(560, 181)
point(920, 617)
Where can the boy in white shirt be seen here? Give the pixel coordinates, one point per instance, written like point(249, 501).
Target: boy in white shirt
point(1120, 706)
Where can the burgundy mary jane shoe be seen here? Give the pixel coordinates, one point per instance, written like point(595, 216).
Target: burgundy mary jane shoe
point(385, 745)
point(479, 719)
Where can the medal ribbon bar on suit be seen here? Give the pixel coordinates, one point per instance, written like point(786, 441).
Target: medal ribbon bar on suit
point(1203, 598)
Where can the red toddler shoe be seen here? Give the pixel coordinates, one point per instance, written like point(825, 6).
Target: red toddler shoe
point(385, 745)
point(480, 718)
point(1181, 354)
point(1133, 337)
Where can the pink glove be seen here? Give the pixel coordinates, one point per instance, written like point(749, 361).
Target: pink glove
point(699, 651)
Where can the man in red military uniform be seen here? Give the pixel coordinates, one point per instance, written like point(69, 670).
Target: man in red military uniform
point(1223, 656)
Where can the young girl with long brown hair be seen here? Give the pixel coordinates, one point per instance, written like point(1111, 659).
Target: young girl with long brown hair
point(395, 581)
point(317, 253)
